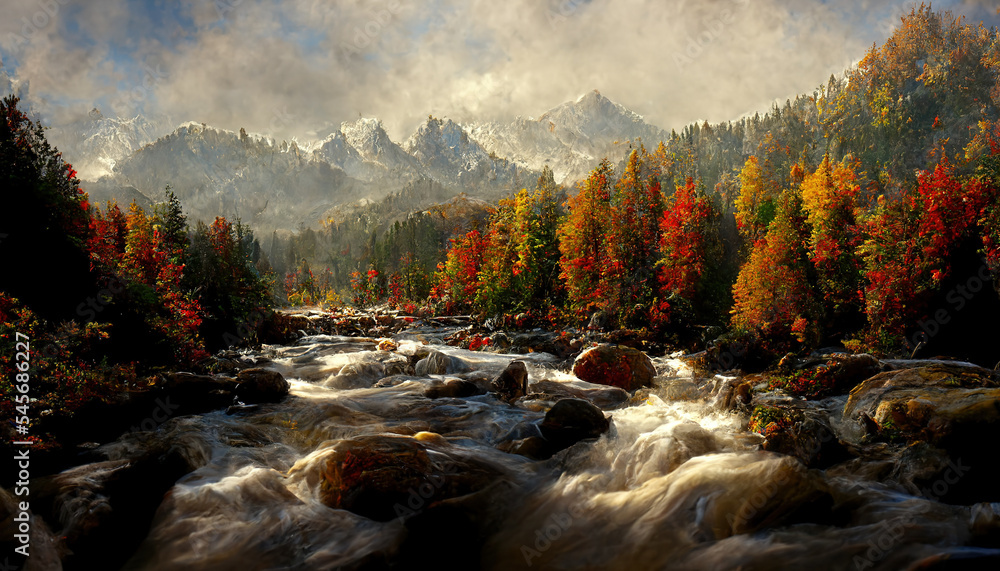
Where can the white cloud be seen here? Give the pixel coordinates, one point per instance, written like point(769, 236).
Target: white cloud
point(293, 68)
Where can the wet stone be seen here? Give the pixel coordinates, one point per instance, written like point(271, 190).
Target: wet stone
point(512, 383)
point(615, 365)
point(259, 385)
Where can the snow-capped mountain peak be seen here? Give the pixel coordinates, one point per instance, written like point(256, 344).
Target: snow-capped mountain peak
point(104, 141)
point(280, 184)
point(447, 152)
point(368, 137)
point(594, 116)
point(569, 138)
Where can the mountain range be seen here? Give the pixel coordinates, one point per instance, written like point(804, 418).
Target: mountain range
point(275, 184)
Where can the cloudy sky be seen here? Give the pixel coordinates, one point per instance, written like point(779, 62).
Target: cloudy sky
point(300, 67)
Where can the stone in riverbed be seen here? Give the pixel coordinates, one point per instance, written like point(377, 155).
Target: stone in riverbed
point(383, 476)
point(569, 421)
point(952, 407)
point(937, 404)
point(453, 388)
point(572, 420)
point(437, 363)
point(534, 447)
point(838, 372)
point(599, 321)
point(261, 385)
point(616, 366)
point(512, 383)
point(197, 393)
point(796, 428)
point(602, 397)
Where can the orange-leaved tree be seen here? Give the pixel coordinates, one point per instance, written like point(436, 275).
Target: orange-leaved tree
point(829, 200)
point(584, 258)
point(772, 295)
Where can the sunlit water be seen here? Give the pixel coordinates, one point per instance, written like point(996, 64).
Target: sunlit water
point(673, 484)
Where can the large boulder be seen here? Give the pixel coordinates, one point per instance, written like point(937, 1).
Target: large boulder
point(384, 476)
point(569, 421)
point(824, 375)
point(259, 385)
point(616, 366)
point(955, 408)
point(190, 393)
point(794, 428)
point(938, 403)
point(544, 342)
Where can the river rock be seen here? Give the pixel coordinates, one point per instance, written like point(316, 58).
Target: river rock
point(919, 467)
point(572, 420)
point(383, 476)
point(534, 447)
point(952, 407)
point(387, 345)
point(599, 321)
point(190, 393)
point(938, 404)
point(603, 397)
point(530, 342)
point(500, 341)
point(359, 375)
point(733, 394)
point(437, 363)
point(259, 385)
point(544, 342)
point(104, 509)
point(512, 383)
point(183, 382)
point(453, 388)
point(795, 429)
point(837, 373)
point(615, 365)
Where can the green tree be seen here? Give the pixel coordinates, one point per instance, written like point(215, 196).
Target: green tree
point(46, 220)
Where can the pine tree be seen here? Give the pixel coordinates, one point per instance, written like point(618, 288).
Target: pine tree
point(173, 224)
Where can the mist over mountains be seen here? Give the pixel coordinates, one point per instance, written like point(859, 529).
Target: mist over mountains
point(570, 138)
point(274, 184)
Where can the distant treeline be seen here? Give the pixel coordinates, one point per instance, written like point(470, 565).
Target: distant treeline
point(847, 216)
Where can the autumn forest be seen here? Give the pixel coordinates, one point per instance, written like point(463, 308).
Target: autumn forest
point(767, 342)
point(864, 215)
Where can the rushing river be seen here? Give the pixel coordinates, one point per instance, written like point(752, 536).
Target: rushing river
point(673, 484)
